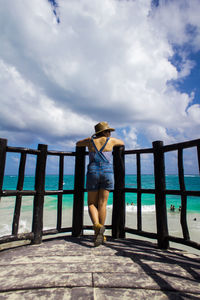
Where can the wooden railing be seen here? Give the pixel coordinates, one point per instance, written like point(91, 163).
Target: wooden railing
point(118, 214)
point(39, 191)
point(158, 151)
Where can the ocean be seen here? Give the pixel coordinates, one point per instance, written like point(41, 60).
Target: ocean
point(192, 182)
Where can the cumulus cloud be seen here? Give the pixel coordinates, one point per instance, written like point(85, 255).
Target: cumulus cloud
point(184, 22)
point(30, 113)
point(103, 60)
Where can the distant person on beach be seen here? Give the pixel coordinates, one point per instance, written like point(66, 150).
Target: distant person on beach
point(100, 178)
point(172, 207)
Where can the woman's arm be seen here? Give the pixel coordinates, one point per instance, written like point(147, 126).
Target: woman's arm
point(83, 143)
point(117, 142)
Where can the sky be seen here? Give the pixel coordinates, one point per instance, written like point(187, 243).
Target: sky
point(66, 65)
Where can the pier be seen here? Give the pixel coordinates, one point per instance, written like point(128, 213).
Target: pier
point(71, 268)
point(68, 266)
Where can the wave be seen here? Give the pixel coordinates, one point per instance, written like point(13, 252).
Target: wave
point(24, 227)
point(5, 230)
point(132, 208)
point(145, 208)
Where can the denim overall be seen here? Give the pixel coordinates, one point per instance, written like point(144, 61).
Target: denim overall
point(100, 169)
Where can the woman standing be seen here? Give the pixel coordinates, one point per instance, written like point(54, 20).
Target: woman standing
point(100, 178)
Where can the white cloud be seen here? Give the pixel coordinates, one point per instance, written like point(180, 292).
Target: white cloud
point(130, 138)
point(194, 113)
point(105, 60)
point(179, 20)
point(29, 110)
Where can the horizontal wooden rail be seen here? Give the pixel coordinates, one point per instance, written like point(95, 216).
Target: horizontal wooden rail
point(61, 153)
point(167, 192)
point(56, 231)
point(188, 144)
point(90, 227)
point(57, 192)
point(139, 151)
point(150, 235)
point(135, 190)
point(22, 150)
point(17, 237)
point(184, 242)
point(135, 151)
point(187, 193)
point(8, 193)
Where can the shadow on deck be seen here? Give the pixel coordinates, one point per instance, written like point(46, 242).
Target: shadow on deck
point(71, 268)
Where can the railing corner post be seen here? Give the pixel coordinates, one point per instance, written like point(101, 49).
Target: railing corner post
point(79, 181)
point(160, 197)
point(3, 145)
point(38, 205)
point(118, 215)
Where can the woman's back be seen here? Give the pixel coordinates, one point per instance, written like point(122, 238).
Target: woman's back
point(100, 141)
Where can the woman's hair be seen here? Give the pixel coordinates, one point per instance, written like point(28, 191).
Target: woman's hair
point(102, 133)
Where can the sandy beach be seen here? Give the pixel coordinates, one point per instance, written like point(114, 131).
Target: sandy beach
point(148, 223)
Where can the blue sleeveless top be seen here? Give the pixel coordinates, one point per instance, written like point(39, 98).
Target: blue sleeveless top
point(100, 156)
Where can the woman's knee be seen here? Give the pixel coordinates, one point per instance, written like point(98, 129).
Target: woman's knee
point(93, 198)
point(103, 196)
point(102, 202)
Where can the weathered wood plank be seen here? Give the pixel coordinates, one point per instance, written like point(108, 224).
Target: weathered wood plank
point(161, 212)
point(72, 267)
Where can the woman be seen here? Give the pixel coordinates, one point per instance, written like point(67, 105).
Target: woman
point(100, 179)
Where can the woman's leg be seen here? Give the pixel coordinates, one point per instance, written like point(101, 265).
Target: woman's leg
point(97, 201)
point(102, 202)
point(93, 206)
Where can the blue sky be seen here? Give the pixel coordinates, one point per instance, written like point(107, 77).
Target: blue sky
point(66, 65)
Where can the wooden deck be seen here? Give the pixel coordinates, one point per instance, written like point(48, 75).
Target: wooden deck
point(71, 268)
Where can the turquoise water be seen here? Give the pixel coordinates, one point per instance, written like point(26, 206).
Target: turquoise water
point(192, 182)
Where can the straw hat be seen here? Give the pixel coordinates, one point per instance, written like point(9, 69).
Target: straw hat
point(102, 126)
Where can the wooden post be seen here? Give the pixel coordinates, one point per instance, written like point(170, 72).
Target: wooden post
point(79, 180)
point(161, 211)
point(20, 184)
point(118, 215)
point(60, 187)
point(198, 155)
point(139, 205)
point(3, 145)
point(38, 206)
point(183, 215)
